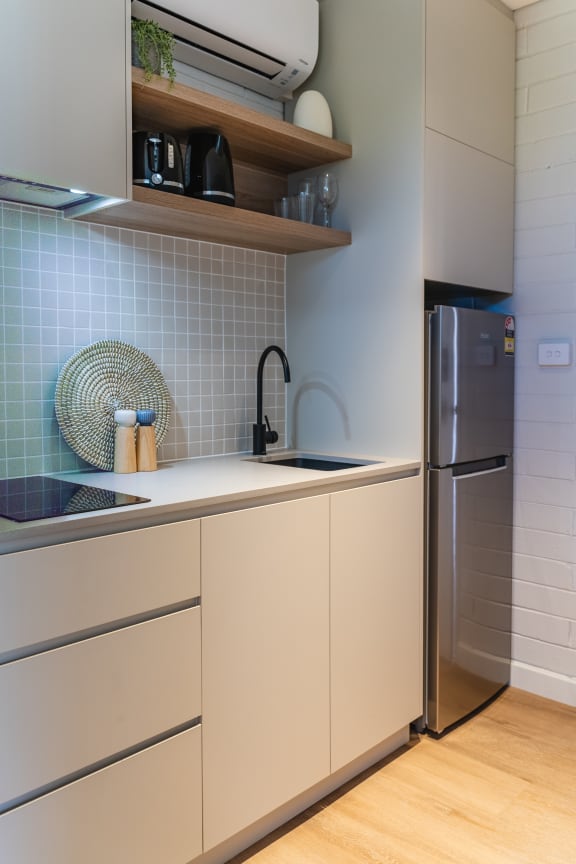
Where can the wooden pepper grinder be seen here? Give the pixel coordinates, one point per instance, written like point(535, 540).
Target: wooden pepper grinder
point(124, 443)
point(146, 440)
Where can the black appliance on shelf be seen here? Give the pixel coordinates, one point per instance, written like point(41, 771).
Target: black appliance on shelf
point(157, 162)
point(208, 172)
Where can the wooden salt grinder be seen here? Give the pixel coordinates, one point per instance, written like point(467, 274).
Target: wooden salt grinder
point(124, 444)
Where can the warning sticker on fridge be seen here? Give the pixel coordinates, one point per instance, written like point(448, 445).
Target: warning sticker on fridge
point(509, 330)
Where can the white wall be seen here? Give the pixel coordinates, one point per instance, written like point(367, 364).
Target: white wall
point(355, 315)
point(544, 623)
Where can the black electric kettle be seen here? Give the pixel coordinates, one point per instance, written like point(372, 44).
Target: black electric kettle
point(157, 162)
point(208, 172)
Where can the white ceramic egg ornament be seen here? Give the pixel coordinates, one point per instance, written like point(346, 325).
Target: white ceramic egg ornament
point(313, 112)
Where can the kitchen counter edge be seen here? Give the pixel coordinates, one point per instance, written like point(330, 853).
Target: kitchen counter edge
point(191, 489)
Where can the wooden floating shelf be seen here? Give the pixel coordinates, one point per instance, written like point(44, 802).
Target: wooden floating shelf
point(180, 216)
point(253, 137)
point(265, 151)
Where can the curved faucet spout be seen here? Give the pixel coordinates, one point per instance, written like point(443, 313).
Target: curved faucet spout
point(262, 434)
point(260, 375)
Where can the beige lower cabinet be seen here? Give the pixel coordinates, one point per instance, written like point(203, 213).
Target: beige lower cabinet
point(99, 678)
point(311, 643)
point(375, 614)
point(47, 594)
point(144, 809)
point(265, 663)
point(66, 709)
point(311, 647)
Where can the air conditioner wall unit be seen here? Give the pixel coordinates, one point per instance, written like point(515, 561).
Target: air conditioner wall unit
point(270, 46)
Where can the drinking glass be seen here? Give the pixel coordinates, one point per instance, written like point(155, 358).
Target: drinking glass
point(327, 193)
point(307, 199)
point(287, 207)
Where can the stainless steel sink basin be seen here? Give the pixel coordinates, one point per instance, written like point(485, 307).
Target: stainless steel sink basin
point(316, 463)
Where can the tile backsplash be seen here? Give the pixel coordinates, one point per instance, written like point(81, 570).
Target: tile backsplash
point(201, 311)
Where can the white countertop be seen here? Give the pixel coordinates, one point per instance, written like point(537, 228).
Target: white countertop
point(193, 488)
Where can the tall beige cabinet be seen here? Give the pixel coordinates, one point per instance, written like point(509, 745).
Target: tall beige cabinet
point(423, 90)
point(469, 144)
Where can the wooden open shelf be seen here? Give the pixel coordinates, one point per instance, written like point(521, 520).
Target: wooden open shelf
point(253, 137)
point(180, 216)
point(264, 151)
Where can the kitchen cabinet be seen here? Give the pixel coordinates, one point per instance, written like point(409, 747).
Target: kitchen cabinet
point(470, 74)
point(376, 616)
point(469, 145)
point(101, 694)
point(144, 808)
point(311, 643)
point(79, 587)
point(64, 94)
point(264, 150)
point(468, 215)
point(173, 688)
point(265, 664)
point(73, 706)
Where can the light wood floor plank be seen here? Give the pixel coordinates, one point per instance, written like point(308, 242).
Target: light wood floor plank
point(500, 789)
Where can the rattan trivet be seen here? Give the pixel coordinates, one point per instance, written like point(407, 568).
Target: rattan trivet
point(96, 381)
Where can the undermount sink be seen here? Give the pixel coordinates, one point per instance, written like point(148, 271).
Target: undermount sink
point(316, 463)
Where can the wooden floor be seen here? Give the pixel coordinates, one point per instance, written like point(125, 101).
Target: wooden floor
point(500, 789)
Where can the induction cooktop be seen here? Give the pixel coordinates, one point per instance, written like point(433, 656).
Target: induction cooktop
point(24, 499)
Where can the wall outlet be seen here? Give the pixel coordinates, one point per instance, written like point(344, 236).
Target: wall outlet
point(554, 354)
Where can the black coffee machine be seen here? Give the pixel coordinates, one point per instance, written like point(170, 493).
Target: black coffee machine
point(157, 162)
point(208, 170)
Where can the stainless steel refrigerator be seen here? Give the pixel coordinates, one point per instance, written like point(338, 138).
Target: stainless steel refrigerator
point(470, 411)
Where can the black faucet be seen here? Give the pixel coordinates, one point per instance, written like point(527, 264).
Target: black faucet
point(262, 434)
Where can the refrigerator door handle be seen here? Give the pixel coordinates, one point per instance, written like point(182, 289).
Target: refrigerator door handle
point(485, 466)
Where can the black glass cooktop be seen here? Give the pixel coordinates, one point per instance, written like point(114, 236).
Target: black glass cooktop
point(24, 499)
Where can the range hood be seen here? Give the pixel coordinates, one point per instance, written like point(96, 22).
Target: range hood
point(40, 195)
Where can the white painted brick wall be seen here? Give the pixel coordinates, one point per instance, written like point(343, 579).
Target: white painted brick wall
point(544, 571)
point(544, 614)
point(543, 517)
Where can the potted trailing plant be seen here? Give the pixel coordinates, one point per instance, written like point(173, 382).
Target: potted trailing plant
point(153, 49)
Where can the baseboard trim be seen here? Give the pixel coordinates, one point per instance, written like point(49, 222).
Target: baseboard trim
point(542, 682)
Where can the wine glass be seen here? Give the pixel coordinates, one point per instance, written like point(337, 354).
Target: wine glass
point(327, 192)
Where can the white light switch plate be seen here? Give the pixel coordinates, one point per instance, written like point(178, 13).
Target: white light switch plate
point(554, 354)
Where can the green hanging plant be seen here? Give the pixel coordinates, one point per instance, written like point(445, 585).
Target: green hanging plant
point(153, 49)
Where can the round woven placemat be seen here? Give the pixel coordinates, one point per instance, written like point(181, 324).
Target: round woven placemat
point(96, 381)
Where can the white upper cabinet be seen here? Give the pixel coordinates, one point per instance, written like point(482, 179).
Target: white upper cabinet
point(63, 93)
point(470, 74)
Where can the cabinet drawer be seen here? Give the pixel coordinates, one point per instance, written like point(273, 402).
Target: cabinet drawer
point(144, 809)
point(51, 592)
point(69, 708)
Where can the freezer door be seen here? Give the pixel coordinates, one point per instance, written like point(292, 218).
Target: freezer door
point(470, 386)
point(469, 588)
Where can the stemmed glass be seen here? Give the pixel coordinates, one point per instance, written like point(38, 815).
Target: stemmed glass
point(327, 193)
